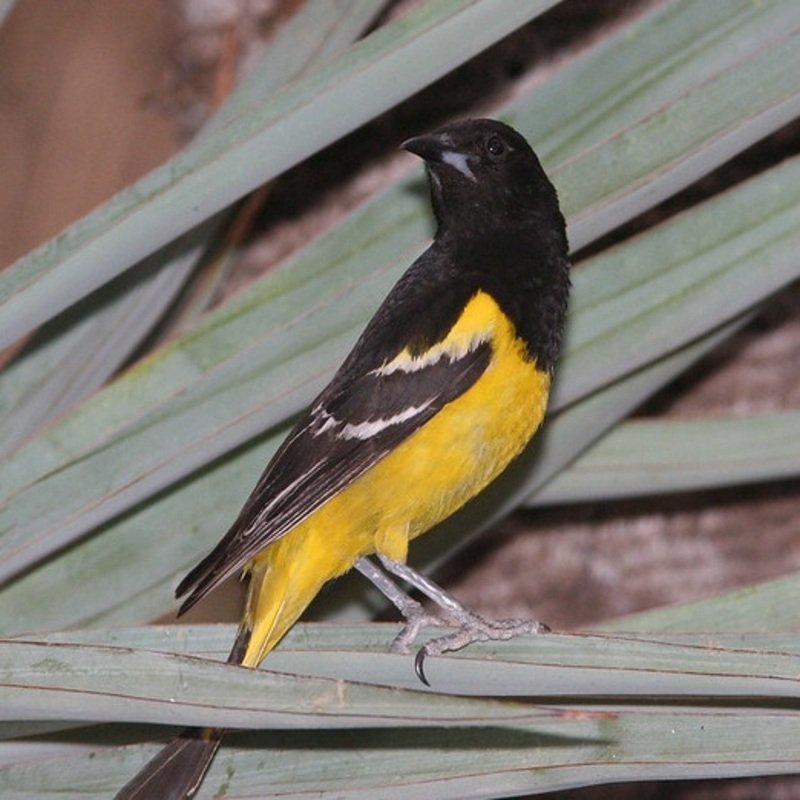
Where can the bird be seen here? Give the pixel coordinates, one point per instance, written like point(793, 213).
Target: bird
point(447, 384)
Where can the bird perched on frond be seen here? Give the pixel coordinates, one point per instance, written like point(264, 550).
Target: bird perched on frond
point(446, 385)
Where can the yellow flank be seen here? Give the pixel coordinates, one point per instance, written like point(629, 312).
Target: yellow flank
point(423, 481)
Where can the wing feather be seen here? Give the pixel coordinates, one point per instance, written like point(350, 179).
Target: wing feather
point(354, 423)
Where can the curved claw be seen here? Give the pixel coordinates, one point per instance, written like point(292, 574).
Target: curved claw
point(419, 661)
point(479, 631)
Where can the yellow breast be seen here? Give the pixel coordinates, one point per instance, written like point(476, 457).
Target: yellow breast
point(470, 441)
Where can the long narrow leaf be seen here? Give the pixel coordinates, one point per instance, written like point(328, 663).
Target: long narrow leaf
point(314, 34)
point(768, 606)
point(558, 743)
point(43, 681)
point(665, 156)
point(544, 666)
point(625, 742)
point(77, 353)
point(601, 747)
point(656, 61)
point(648, 457)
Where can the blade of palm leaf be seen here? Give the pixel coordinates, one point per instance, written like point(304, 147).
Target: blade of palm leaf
point(769, 606)
point(328, 641)
point(310, 37)
point(643, 294)
point(76, 354)
point(650, 457)
point(40, 741)
point(574, 666)
point(678, 662)
point(554, 664)
point(100, 683)
point(680, 166)
point(619, 745)
point(577, 666)
point(83, 683)
point(85, 346)
point(665, 50)
point(604, 747)
point(314, 34)
point(653, 155)
point(374, 74)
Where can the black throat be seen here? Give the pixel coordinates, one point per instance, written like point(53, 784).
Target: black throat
point(525, 268)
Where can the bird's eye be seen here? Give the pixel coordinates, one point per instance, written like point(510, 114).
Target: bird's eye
point(495, 146)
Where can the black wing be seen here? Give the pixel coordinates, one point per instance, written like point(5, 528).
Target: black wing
point(363, 414)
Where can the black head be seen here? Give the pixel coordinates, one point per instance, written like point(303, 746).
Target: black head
point(484, 173)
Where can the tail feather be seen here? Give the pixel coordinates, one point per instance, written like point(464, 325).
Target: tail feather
point(176, 771)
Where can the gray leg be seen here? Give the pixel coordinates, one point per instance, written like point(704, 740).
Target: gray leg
point(472, 628)
point(414, 613)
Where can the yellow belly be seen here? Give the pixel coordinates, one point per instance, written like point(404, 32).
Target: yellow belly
point(423, 481)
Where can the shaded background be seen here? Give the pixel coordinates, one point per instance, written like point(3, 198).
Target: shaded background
point(94, 93)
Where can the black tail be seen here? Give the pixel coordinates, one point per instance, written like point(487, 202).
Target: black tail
point(177, 771)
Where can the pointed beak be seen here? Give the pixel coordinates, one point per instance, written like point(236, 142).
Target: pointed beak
point(428, 147)
point(437, 148)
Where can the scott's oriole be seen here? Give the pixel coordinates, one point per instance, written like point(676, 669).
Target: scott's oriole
point(446, 385)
